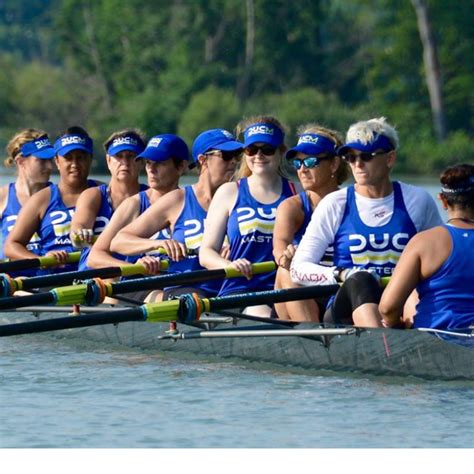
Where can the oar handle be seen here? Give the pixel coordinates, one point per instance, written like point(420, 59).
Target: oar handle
point(257, 268)
point(27, 263)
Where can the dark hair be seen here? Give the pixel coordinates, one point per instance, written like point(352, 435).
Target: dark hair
point(74, 130)
point(128, 132)
point(458, 186)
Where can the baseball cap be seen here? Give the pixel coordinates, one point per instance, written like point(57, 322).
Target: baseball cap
point(378, 142)
point(165, 146)
point(126, 143)
point(40, 147)
point(312, 144)
point(215, 139)
point(263, 133)
point(63, 145)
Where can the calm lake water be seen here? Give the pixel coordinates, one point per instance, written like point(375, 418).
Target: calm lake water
point(73, 393)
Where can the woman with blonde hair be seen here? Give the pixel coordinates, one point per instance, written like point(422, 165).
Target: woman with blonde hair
point(245, 210)
point(320, 172)
point(31, 153)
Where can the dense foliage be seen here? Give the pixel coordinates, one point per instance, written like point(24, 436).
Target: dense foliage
point(186, 65)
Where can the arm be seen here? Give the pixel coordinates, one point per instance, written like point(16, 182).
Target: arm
point(3, 199)
point(216, 226)
point(289, 218)
point(100, 254)
point(83, 220)
point(27, 223)
point(404, 279)
point(135, 238)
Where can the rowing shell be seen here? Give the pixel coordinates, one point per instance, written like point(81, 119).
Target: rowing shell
point(426, 354)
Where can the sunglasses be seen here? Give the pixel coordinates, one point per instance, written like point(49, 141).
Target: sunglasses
point(309, 162)
point(226, 155)
point(252, 150)
point(351, 158)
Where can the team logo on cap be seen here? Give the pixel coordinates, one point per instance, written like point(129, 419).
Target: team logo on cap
point(74, 140)
point(308, 139)
point(227, 134)
point(42, 143)
point(260, 130)
point(125, 141)
point(155, 142)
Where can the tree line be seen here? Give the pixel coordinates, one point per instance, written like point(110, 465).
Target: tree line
point(182, 66)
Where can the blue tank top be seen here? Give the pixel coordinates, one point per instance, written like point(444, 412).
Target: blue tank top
point(250, 233)
point(447, 296)
point(104, 214)
point(55, 227)
point(307, 211)
point(188, 229)
point(359, 245)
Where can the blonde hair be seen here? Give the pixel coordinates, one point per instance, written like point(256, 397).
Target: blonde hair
point(365, 131)
point(343, 170)
point(17, 141)
point(244, 170)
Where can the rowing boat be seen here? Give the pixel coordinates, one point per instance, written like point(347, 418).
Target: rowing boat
point(428, 354)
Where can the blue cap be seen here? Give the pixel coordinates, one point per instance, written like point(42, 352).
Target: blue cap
point(215, 139)
point(126, 143)
point(263, 133)
point(312, 144)
point(40, 147)
point(63, 145)
point(163, 147)
point(377, 143)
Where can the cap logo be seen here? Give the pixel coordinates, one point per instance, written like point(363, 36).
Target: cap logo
point(308, 139)
point(42, 143)
point(260, 130)
point(73, 140)
point(227, 134)
point(124, 141)
point(155, 142)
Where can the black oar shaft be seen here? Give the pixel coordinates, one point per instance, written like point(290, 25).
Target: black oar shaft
point(12, 302)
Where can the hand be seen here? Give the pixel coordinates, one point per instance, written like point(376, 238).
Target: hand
point(284, 261)
point(151, 264)
point(225, 251)
point(83, 238)
point(60, 256)
point(348, 272)
point(175, 250)
point(243, 266)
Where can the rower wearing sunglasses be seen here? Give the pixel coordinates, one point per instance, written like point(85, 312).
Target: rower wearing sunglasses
point(320, 172)
point(368, 225)
point(245, 210)
point(216, 154)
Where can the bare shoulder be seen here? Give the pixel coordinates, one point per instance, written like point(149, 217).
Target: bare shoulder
point(291, 204)
point(226, 190)
point(90, 194)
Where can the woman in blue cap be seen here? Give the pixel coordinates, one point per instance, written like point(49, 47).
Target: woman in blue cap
point(96, 206)
point(183, 211)
point(320, 172)
point(439, 263)
point(367, 224)
point(31, 152)
point(49, 211)
point(164, 165)
point(245, 210)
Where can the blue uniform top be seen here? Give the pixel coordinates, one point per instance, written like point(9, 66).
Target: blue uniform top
point(55, 226)
point(188, 229)
point(447, 296)
point(250, 233)
point(307, 211)
point(103, 217)
point(359, 245)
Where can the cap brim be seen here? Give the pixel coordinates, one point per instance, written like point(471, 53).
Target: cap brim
point(229, 146)
point(307, 149)
point(75, 146)
point(114, 150)
point(46, 154)
point(368, 147)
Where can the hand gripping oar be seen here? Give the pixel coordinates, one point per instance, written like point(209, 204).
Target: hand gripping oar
point(185, 309)
point(27, 263)
point(94, 291)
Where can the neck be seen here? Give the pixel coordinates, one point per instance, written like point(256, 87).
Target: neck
point(317, 194)
point(72, 188)
point(375, 191)
point(467, 218)
point(125, 188)
point(154, 194)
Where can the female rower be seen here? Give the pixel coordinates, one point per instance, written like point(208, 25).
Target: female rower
point(32, 153)
point(439, 262)
point(245, 210)
point(49, 211)
point(95, 206)
point(216, 153)
point(166, 158)
point(367, 224)
point(320, 172)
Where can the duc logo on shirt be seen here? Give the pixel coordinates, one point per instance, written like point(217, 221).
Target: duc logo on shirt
point(256, 220)
point(61, 222)
point(33, 244)
point(193, 233)
point(379, 250)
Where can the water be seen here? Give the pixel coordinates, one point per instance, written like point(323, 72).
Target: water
point(72, 393)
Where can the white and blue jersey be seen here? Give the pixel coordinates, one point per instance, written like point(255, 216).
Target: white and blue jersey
point(359, 245)
point(447, 296)
point(250, 233)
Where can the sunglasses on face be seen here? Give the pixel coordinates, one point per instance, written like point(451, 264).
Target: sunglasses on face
point(352, 158)
point(309, 162)
point(252, 150)
point(226, 155)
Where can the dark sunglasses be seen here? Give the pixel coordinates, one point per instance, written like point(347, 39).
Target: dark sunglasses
point(252, 150)
point(351, 158)
point(309, 162)
point(226, 155)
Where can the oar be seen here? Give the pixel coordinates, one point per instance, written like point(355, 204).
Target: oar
point(28, 263)
point(94, 291)
point(186, 309)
